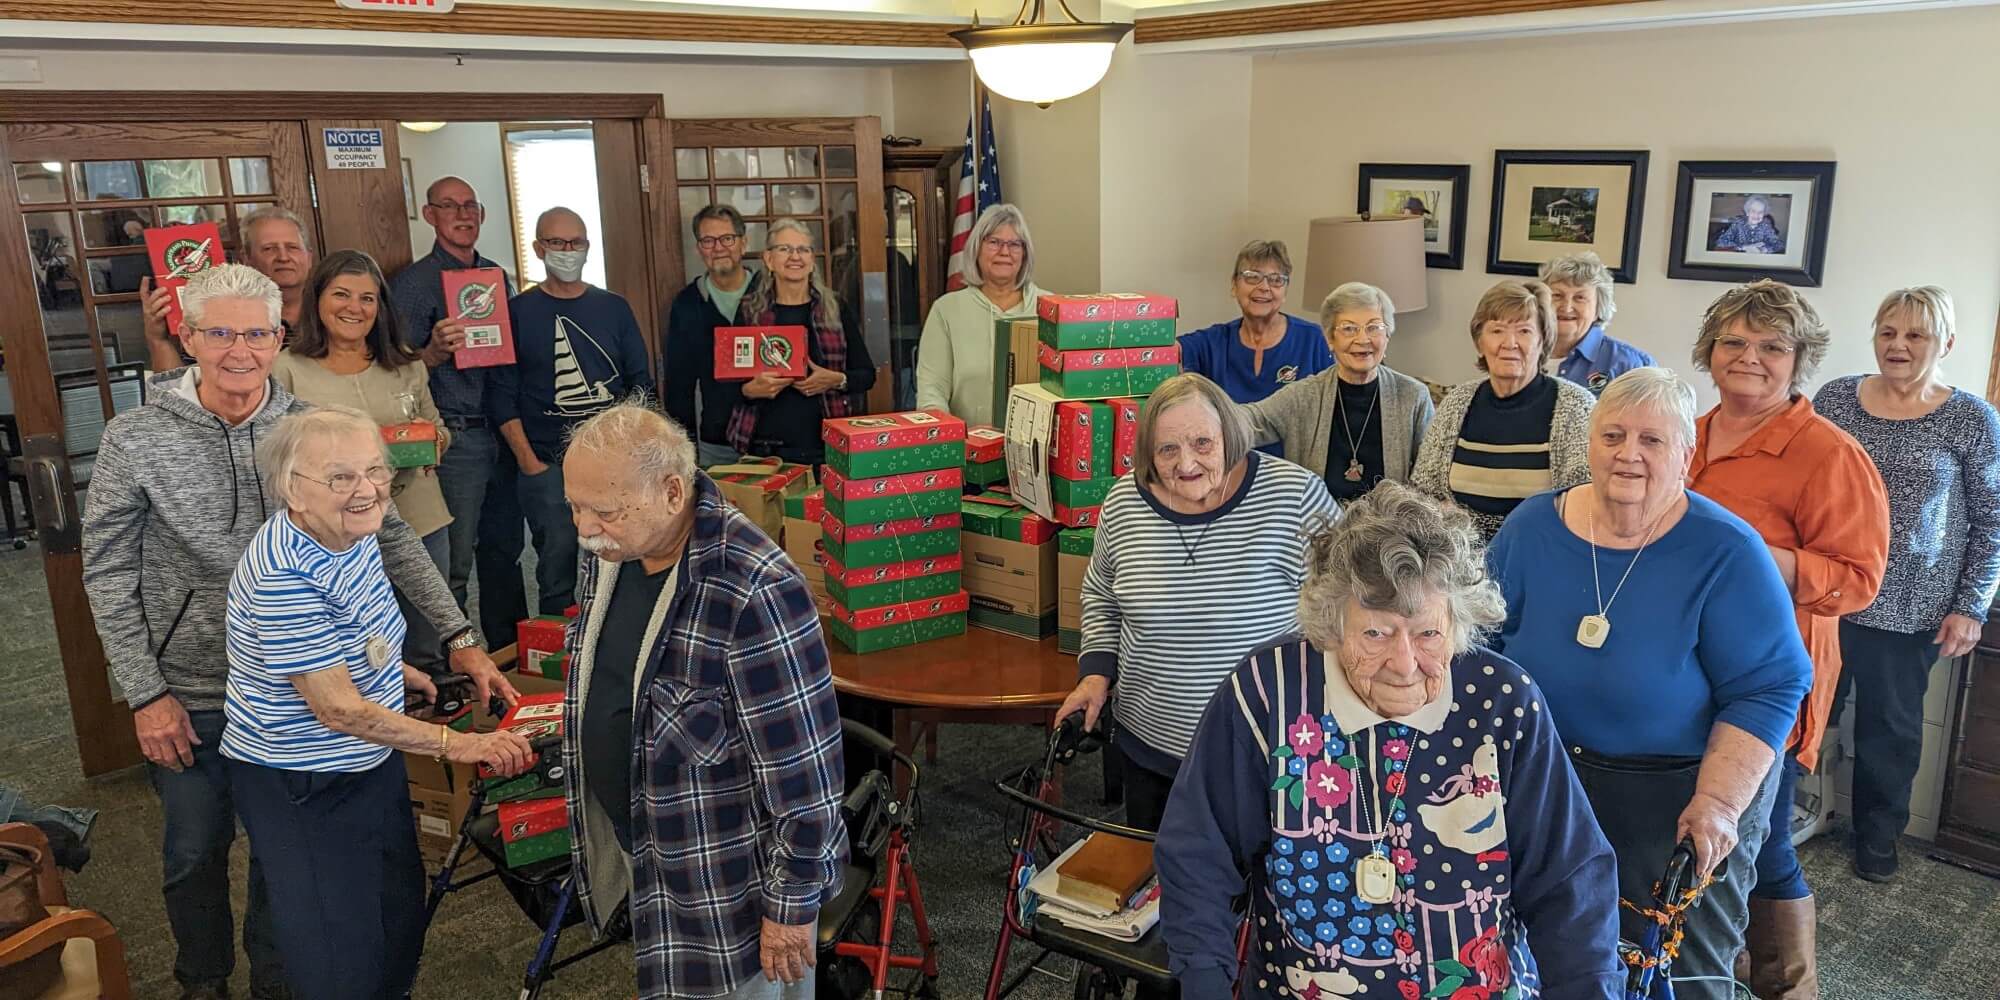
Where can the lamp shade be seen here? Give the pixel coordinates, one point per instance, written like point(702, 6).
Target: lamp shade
point(1387, 253)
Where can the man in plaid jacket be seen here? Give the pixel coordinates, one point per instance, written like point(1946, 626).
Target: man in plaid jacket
point(705, 779)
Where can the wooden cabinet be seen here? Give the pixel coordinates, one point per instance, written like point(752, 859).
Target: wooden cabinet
point(1969, 822)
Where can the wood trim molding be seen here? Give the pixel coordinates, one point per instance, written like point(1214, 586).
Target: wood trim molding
point(497, 19)
point(200, 106)
point(1323, 15)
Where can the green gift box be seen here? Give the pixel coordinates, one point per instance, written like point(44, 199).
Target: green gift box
point(521, 853)
point(1110, 333)
point(413, 445)
point(1099, 383)
point(524, 788)
point(998, 515)
point(906, 633)
point(893, 498)
point(986, 473)
point(888, 444)
point(1075, 493)
point(865, 592)
point(532, 831)
point(1076, 541)
point(859, 546)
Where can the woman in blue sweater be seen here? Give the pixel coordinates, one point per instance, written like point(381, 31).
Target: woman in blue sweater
point(1675, 702)
point(1397, 794)
point(1265, 349)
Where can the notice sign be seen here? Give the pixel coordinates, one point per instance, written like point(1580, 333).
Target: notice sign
point(354, 149)
point(410, 6)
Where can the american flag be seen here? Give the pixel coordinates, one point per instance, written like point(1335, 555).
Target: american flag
point(974, 194)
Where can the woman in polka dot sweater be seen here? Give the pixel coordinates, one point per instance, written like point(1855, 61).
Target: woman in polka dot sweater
point(1396, 794)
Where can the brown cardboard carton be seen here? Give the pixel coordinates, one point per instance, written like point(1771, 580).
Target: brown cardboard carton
point(1069, 600)
point(1012, 585)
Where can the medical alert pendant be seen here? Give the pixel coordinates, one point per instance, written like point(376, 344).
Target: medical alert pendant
point(1375, 879)
point(1354, 470)
point(378, 651)
point(1592, 631)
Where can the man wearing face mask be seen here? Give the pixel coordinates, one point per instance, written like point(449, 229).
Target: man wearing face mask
point(577, 350)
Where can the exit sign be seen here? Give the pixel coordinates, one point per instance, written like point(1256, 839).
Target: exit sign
point(411, 6)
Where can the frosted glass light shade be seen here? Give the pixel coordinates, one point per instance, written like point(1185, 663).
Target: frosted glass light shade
point(1043, 72)
point(423, 126)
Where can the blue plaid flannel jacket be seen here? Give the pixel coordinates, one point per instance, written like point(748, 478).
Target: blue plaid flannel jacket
point(736, 761)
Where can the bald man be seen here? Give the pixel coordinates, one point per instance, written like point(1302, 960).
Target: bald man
point(577, 351)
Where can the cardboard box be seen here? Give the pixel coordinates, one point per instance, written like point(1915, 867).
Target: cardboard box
point(1031, 431)
point(745, 352)
point(802, 544)
point(178, 253)
point(808, 506)
point(1014, 351)
point(893, 498)
point(535, 830)
point(1070, 567)
point(758, 488)
point(887, 444)
point(1011, 585)
point(998, 515)
point(477, 297)
point(1115, 371)
point(896, 583)
point(873, 629)
point(858, 546)
point(1077, 541)
point(536, 637)
point(438, 816)
point(412, 445)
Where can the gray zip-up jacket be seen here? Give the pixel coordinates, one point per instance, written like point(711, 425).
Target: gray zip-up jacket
point(174, 499)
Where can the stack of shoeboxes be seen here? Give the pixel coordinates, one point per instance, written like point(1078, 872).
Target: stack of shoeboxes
point(802, 542)
point(534, 820)
point(985, 456)
point(1095, 346)
point(1073, 546)
point(890, 530)
point(1010, 565)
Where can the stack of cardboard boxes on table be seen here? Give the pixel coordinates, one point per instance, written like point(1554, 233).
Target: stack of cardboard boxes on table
point(890, 529)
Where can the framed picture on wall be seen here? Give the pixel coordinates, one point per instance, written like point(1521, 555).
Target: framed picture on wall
point(1435, 191)
point(1740, 220)
point(1553, 203)
point(409, 190)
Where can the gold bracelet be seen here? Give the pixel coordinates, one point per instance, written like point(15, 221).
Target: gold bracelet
point(444, 741)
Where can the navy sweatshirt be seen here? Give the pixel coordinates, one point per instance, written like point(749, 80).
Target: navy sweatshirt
point(573, 358)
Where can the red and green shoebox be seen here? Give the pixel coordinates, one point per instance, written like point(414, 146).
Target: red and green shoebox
point(985, 455)
point(996, 514)
point(413, 445)
point(534, 716)
point(1078, 500)
point(886, 444)
point(879, 543)
point(534, 830)
point(806, 506)
point(893, 498)
point(1108, 319)
point(1073, 547)
point(537, 637)
point(874, 629)
point(1096, 373)
point(1095, 439)
point(893, 583)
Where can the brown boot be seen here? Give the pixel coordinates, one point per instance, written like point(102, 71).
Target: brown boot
point(1781, 940)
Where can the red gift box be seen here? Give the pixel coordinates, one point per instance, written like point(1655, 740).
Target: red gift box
point(534, 716)
point(773, 481)
point(842, 532)
point(526, 818)
point(984, 444)
point(815, 503)
point(477, 297)
point(1099, 359)
point(906, 570)
point(179, 253)
point(1124, 435)
point(889, 486)
point(537, 636)
point(1104, 307)
point(881, 431)
point(1077, 517)
point(930, 607)
point(745, 352)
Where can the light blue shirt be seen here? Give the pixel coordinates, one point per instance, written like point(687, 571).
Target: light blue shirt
point(1598, 358)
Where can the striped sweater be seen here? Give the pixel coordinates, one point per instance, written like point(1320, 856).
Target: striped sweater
point(1172, 602)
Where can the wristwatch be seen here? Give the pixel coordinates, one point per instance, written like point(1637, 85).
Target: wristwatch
point(465, 639)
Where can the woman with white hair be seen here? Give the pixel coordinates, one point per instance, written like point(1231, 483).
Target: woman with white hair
point(1265, 349)
point(955, 354)
point(1581, 288)
point(1665, 678)
point(1938, 450)
point(781, 416)
point(1399, 791)
point(1359, 422)
point(315, 716)
point(1753, 230)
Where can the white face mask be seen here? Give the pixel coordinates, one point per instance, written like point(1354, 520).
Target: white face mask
point(565, 265)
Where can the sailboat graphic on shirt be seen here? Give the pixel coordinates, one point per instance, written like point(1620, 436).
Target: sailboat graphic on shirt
point(575, 395)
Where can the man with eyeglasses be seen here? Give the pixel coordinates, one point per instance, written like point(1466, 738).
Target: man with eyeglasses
point(175, 497)
point(577, 350)
point(688, 354)
point(477, 473)
point(1265, 349)
point(270, 239)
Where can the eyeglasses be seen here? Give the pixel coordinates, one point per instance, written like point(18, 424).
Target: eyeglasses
point(222, 338)
point(790, 250)
point(345, 483)
point(1271, 278)
point(716, 242)
point(458, 208)
point(998, 245)
point(1372, 329)
point(556, 244)
point(1771, 350)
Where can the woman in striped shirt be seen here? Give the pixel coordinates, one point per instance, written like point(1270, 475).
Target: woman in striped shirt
point(314, 709)
point(1200, 553)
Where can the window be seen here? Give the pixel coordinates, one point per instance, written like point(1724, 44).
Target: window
point(550, 165)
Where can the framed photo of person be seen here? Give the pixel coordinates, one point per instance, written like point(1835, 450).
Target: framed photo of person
point(1740, 220)
point(1435, 191)
point(1553, 203)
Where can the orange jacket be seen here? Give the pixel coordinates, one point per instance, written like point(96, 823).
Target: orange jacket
point(1806, 486)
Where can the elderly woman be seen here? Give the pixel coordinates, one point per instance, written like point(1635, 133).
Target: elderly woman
point(955, 353)
point(1263, 350)
point(1359, 422)
point(1753, 231)
point(1198, 557)
point(1580, 285)
point(781, 416)
point(1515, 433)
point(1938, 449)
point(1401, 791)
point(1815, 498)
point(314, 716)
point(1675, 703)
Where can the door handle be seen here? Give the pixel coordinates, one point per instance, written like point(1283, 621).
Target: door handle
point(51, 493)
point(52, 512)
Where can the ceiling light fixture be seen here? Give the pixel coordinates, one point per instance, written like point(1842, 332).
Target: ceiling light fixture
point(1041, 62)
point(423, 126)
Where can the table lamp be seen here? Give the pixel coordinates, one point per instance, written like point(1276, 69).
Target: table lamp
point(1387, 252)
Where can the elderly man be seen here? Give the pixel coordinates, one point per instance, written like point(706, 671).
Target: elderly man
point(273, 241)
point(706, 303)
point(577, 350)
point(477, 473)
point(175, 499)
point(700, 724)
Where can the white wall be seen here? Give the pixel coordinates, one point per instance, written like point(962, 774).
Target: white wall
point(470, 151)
point(1904, 103)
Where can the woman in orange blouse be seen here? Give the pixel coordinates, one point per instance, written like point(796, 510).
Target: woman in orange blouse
point(1814, 495)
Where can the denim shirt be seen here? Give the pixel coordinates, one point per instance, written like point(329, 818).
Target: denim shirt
point(1598, 358)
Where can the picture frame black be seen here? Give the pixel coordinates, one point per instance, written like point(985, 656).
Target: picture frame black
point(1530, 186)
point(1447, 250)
point(1797, 197)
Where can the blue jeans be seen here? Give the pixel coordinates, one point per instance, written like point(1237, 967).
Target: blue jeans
point(711, 455)
point(463, 474)
point(554, 532)
point(1888, 673)
point(477, 476)
point(198, 819)
point(1778, 873)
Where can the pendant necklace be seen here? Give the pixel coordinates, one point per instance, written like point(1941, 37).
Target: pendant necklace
point(1593, 630)
point(1353, 474)
point(1374, 873)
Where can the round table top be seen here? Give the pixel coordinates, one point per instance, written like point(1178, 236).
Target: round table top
point(980, 669)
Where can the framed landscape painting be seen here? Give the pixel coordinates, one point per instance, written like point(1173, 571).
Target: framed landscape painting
point(1740, 220)
point(1553, 203)
point(1435, 191)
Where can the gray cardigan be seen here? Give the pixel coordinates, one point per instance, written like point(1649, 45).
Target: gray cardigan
point(1301, 417)
point(1569, 442)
